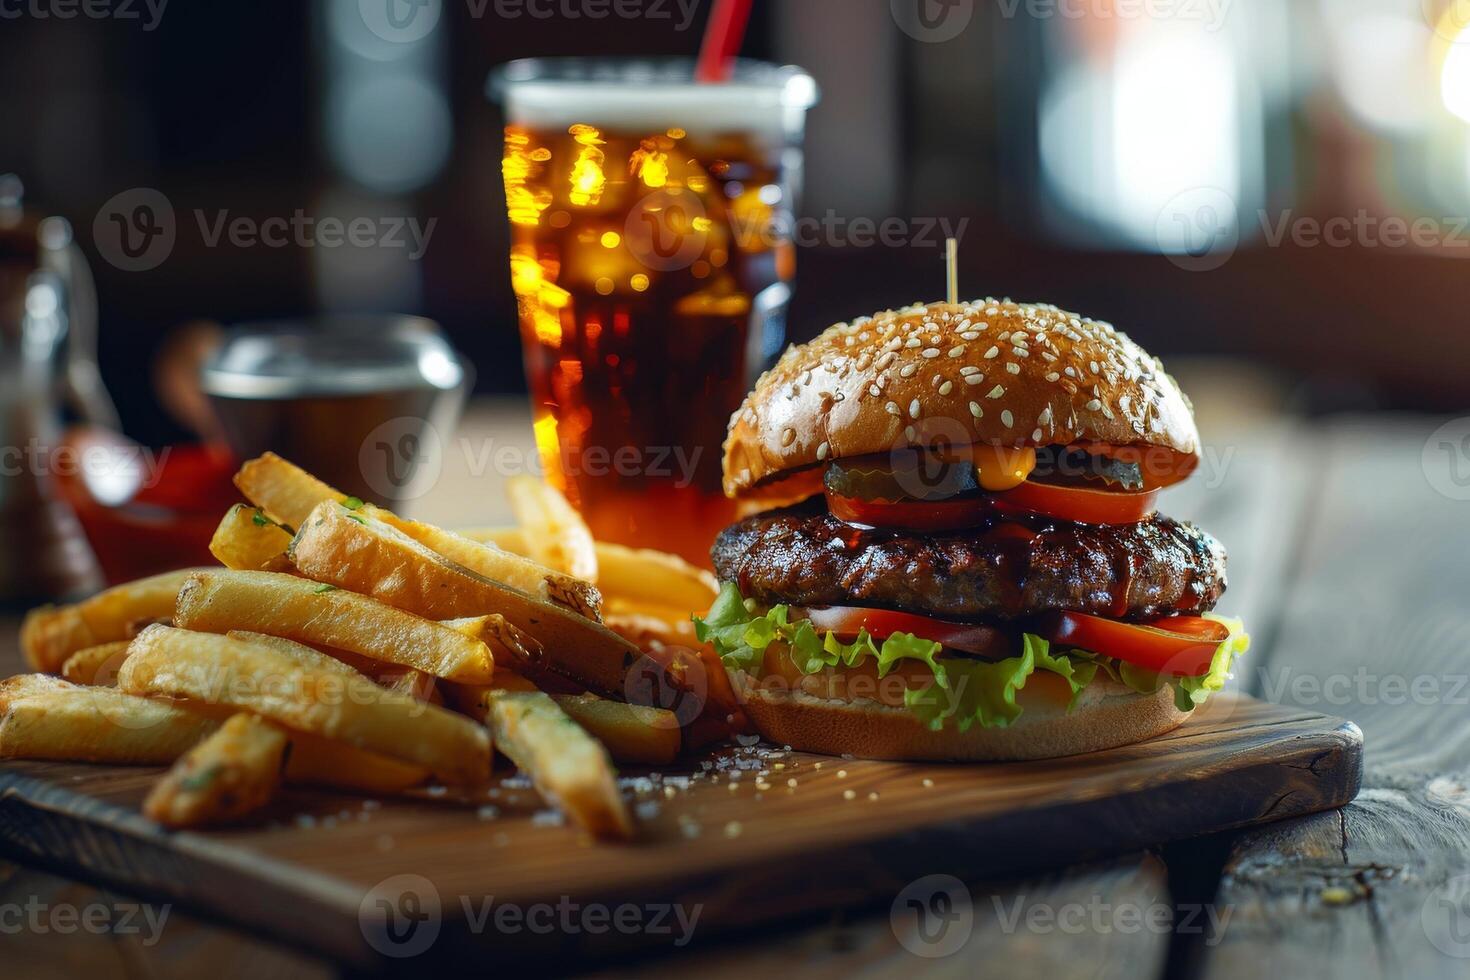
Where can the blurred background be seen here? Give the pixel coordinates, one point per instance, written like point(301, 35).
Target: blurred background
point(1282, 183)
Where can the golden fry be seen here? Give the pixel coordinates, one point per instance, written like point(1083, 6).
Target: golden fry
point(286, 492)
point(309, 612)
point(50, 634)
point(632, 733)
point(247, 540)
point(555, 535)
point(639, 577)
point(49, 718)
point(357, 552)
point(229, 775)
point(218, 670)
point(566, 764)
point(289, 494)
point(95, 665)
point(317, 761)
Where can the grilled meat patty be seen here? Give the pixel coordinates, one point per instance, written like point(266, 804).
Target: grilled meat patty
point(1008, 569)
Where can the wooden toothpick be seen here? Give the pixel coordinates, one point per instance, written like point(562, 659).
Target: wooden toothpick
point(952, 269)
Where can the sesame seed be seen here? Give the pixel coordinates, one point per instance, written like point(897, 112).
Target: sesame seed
point(992, 353)
point(842, 774)
point(1053, 376)
point(891, 408)
point(1093, 405)
point(976, 410)
point(1013, 368)
point(875, 391)
point(822, 451)
point(946, 388)
point(908, 371)
point(1045, 417)
point(996, 392)
point(970, 335)
point(909, 434)
point(914, 409)
point(913, 342)
point(974, 379)
point(928, 783)
point(969, 369)
point(1006, 418)
point(849, 794)
point(1036, 435)
point(788, 436)
point(957, 350)
point(931, 352)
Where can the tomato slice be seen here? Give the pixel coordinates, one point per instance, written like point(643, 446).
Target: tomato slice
point(1078, 504)
point(845, 621)
point(1181, 646)
point(914, 515)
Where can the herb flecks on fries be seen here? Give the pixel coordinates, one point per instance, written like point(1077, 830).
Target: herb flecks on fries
point(341, 646)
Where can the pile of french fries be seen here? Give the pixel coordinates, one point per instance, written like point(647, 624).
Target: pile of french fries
point(339, 645)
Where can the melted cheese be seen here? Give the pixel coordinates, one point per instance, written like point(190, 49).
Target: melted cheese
point(1000, 468)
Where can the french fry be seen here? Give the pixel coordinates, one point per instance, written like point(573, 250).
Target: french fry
point(554, 533)
point(643, 578)
point(48, 718)
point(50, 634)
point(317, 761)
point(405, 680)
point(415, 684)
point(357, 552)
point(285, 491)
point(343, 661)
point(229, 775)
point(247, 540)
point(632, 733)
point(305, 611)
point(95, 665)
point(566, 764)
point(170, 662)
point(289, 494)
point(309, 657)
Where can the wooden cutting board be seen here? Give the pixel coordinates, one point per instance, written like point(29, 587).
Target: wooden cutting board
point(405, 883)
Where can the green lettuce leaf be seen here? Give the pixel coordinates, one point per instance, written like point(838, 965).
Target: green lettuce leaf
point(966, 691)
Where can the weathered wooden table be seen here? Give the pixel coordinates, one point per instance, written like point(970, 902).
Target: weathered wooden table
point(1350, 560)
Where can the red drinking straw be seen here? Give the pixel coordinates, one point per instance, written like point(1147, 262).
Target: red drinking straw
point(722, 37)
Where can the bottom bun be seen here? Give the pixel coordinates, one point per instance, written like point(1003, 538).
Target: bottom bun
point(1108, 714)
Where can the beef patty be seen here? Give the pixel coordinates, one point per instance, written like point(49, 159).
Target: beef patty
point(1007, 569)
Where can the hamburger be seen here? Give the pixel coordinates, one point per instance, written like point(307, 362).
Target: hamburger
point(953, 548)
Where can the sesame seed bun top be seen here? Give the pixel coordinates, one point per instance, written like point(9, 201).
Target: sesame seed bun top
point(986, 372)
